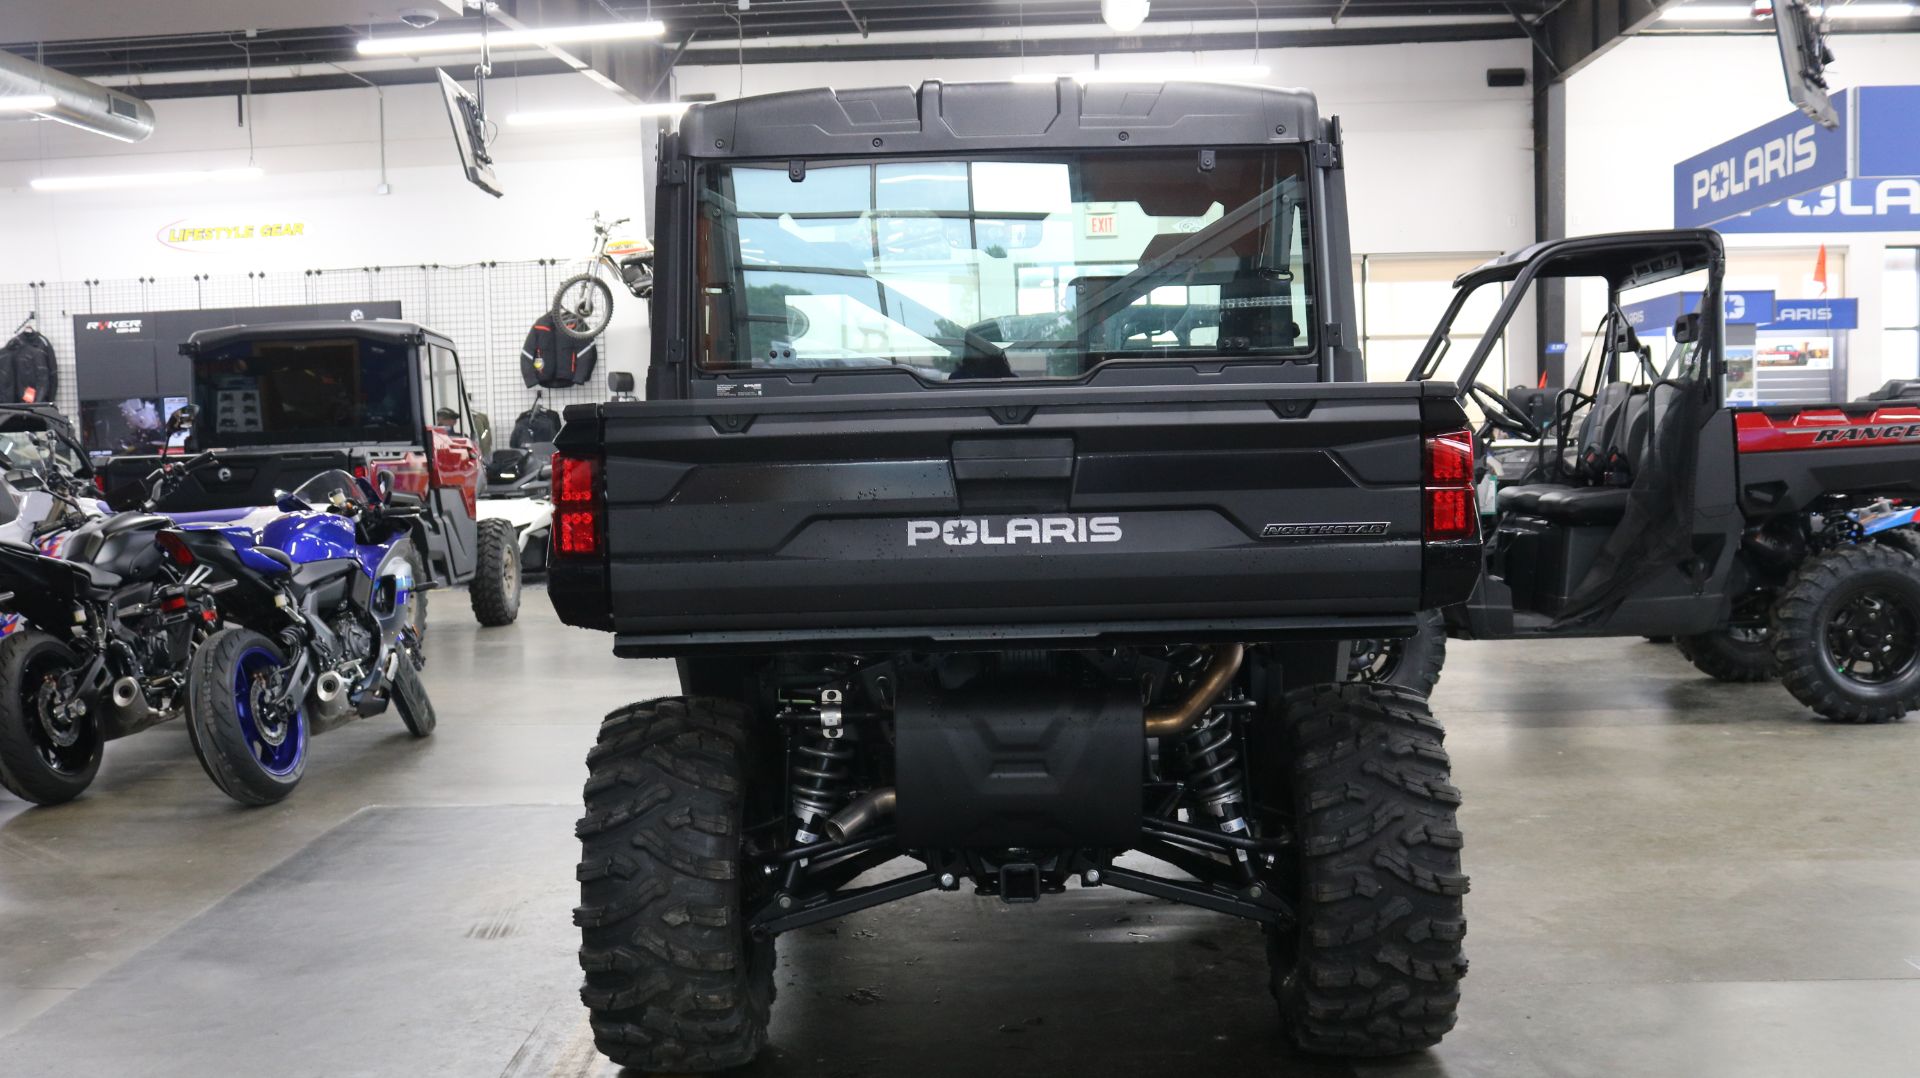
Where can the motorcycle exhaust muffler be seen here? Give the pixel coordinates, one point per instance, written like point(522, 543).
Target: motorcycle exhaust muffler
point(125, 710)
point(330, 704)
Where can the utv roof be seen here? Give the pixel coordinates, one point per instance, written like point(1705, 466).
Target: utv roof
point(1624, 258)
point(389, 329)
point(981, 117)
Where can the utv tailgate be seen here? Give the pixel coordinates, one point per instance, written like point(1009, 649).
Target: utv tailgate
point(1251, 510)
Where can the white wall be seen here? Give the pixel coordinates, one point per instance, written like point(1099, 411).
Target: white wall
point(1437, 163)
point(1655, 101)
point(321, 153)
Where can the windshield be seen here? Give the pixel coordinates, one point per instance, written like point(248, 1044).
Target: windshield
point(318, 492)
point(1041, 267)
point(37, 453)
point(277, 392)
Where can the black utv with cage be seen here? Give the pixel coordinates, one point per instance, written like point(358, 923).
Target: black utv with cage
point(1764, 539)
point(1006, 495)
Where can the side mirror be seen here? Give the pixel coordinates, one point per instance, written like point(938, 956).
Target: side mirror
point(383, 484)
point(182, 419)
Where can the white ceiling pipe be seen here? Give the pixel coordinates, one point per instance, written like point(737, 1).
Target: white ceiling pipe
point(76, 102)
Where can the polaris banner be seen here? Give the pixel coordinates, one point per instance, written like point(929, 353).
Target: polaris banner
point(1886, 145)
point(1789, 156)
point(1853, 206)
point(1813, 314)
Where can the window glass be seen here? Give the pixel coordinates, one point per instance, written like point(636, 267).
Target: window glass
point(270, 392)
point(1029, 268)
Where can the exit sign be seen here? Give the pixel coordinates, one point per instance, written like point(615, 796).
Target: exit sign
point(1102, 224)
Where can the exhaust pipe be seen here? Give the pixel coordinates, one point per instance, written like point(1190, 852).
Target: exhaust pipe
point(88, 106)
point(331, 705)
point(126, 710)
point(861, 813)
point(1176, 719)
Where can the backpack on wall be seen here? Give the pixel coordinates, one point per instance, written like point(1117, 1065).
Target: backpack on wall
point(552, 359)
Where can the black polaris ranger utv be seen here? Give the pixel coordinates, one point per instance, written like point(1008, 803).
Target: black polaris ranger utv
point(1005, 495)
point(1763, 539)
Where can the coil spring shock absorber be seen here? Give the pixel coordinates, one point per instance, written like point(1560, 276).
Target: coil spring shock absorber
point(822, 769)
point(1215, 777)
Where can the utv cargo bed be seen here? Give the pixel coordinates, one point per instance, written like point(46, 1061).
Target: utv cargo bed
point(1000, 515)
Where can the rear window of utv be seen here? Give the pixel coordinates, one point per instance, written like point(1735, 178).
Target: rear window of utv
point(264, 391)
point(1036, 267)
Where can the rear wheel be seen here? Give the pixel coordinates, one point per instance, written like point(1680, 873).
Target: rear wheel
point(1736, 653)
point(49, 747)
point(1411, 662)
point(252, 744)
point(1373, 966)
point(582, 307)
point(1846, 634)
point(674, 981)
point(495, 590)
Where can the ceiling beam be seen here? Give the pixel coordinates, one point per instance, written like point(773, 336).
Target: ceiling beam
point(1575, 33)
point(728, 54)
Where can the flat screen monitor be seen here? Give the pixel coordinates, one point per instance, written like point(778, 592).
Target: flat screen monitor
point(1805, 56)
point(469, 134)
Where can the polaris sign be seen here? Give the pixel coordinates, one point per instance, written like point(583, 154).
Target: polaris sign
point(1790, 156)
point(1821, 314)
point(966, 531)
point(1891, 205)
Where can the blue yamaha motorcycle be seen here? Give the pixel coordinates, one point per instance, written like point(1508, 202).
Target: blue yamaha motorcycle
point(318, 629)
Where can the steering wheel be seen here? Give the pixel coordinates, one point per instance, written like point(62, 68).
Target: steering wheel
point(1503, 414)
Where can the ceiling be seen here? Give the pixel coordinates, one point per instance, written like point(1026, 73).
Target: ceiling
point(184, 48)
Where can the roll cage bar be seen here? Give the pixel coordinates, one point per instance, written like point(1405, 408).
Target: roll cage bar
point(1624, 259)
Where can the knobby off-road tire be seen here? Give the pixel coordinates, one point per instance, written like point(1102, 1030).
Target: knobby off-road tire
point(674, 982)
point(1374, 965)
point(1413, 662)
point(1906, 540)
point(495, 590)
point(44, 764)
point(582, 307)
point(1839, 602)
point(1729, 654)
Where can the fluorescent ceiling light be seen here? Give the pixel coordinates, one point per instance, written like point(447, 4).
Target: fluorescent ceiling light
point(1253, 73)
point(404, 44)
point(1704, 13)
point(599, 114)
point(26, 103)
point(110, 180)
point(1866, 11)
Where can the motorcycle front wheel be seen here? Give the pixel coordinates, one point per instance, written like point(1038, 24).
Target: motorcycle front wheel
point(582, 307)
point(252, 744)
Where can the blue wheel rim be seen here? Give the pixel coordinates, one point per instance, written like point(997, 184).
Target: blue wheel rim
point(279, 758)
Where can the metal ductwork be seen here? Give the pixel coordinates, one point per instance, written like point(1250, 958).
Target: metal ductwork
point(88, 106)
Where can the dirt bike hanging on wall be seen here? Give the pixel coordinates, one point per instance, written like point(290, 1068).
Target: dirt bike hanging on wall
point(583, 305)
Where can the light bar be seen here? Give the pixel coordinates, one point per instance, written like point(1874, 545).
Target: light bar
point(26, 103)
point(1705, 13)
point(601, 114)
point(1252, 73)
point(111, 180)
point(415, 44)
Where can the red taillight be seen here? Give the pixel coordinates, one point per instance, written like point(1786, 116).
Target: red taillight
point(176, 549)
point(577, 505)
point(100, 482)
point(173, 604)
point(1451, 511)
